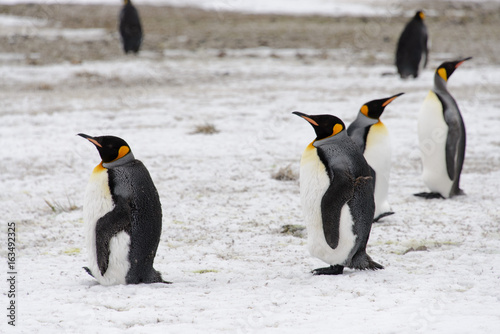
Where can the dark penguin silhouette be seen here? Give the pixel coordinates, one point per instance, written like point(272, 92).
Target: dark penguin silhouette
point(130, 28)
point(122, 215)
point(412, 52)
point(441, 137)
point(336, 190)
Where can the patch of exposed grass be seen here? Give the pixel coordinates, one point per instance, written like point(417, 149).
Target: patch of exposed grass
point(206, 129)
point(58, 207)
point(204, 271)
point(285, 174)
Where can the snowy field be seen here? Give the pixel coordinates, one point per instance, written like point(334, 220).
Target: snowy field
point(232, 269)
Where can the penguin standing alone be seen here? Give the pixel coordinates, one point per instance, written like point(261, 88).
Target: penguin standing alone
point(130, 28)
point(336, 191)
point(123, 217)
point(372, 137)
point(412, 51)
point(441, 137)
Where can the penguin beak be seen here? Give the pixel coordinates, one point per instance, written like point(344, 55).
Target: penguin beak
point(392, 98)
point(462, 61)
point(306, 117)
point(90, 139)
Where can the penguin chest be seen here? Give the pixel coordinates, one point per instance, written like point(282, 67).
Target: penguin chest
point(432, 135)
point(314, 182)
point(98, 202)
point(378, 155)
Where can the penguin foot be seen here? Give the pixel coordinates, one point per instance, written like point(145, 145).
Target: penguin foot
point(331, 270)
point(429, 195)
point(382, 215)
point(88, 271)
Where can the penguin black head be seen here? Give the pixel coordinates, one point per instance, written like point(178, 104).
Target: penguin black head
point(419, 16)
point(446, 69)
point(324, 125)
point(375, 108)
point(110, 148)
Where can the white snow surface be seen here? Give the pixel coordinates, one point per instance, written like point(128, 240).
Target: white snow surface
point(232, 271)
point(223, 210)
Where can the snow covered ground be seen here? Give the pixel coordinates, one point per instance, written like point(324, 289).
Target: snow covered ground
point(233, 271)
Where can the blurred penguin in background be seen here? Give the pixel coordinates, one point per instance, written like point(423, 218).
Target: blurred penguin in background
point(412, 51)
point(130, 28)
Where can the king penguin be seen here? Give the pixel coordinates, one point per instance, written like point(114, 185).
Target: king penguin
point(336, 191)
point(412, 50)
point(130, 27)
point(123, 216)
point(441, 137)
point(372, 137)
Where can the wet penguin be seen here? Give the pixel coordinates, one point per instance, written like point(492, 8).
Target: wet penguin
point(130, 28)
point(412, 51)
point(441, 137)
point(336, 191)
point(123, 217)
point(372, 137)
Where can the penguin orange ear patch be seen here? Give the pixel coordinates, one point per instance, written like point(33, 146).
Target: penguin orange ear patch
point(442, 73)
point(337, 128)
point(364, 110)
point(122, 152)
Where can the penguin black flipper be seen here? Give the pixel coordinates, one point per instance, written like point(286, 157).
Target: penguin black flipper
point(455, 144)
point(332, 203)
point(107, 227)
point(87, 270)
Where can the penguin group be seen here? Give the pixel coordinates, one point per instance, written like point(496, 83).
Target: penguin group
point(344, 175)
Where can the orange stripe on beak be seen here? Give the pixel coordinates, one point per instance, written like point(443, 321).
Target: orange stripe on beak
point(389, 101)
point(310, 120)
point(94, 142)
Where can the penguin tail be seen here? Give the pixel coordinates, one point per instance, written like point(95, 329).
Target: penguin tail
point(156, 278)
point(88, 271)
point(363, 261)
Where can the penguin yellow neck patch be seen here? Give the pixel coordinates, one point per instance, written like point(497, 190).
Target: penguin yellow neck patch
point(442, 73)
point(98, 168)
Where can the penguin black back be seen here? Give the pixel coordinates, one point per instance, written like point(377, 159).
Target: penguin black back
point(412, 51)
point(130, 28)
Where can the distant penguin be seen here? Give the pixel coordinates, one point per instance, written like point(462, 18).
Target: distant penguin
point(336, 191)
point(372, 137)
point(412, 52)
point(130, 28)
point(123, 217)
point(441, 137)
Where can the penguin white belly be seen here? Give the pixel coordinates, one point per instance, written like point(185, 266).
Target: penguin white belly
point(314, 182)
point(378, 155)
point(432, 135)
point(97, 203)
